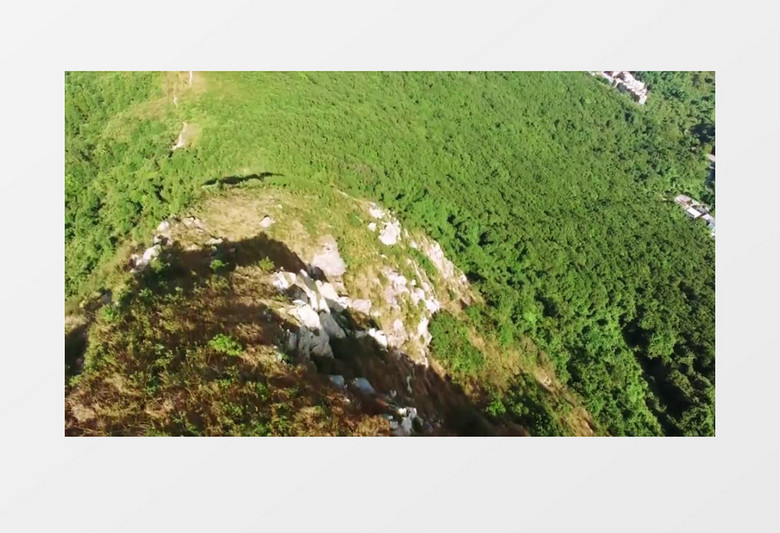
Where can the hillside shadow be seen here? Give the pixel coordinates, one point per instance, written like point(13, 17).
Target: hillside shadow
point(443, 406)
point(75, 346)
point(235, 180)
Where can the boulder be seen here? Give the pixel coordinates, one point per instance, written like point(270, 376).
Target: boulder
point(283, 280)
point(376, 212)
point(331, 327)
point(307, 342)
point(307, 316)
point(398, 334)
point(391, 233)
point(164, 227)
point(379, 336)
point(422, 331)
point(148, 256)
point(337, 380)
point(267, 222)
point(362, 306)
point(328, 259)
point(311, 290)
point(362, 385)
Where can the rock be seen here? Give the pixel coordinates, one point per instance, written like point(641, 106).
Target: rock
point(331, 327)
point(337, 380)
point(214, 241)
point(305, 289)
point(327, 291)
point(362, 306)
point(379, 336)
point(398, 334)
point(308, 316)
point(396, 288)
point(328, 259)
point(417, 295)
point(376, 212)
point(390, 233)
point(164, 227)
point(193, 223)
point(307, 342)
point(283, 280)
point(372, 226)
point(148, 256)
point(362, 385)
point(422, 331)
point(159, 239)
point(432, 304)
point(267, 222)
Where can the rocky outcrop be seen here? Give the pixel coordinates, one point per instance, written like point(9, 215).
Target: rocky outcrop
point(140, 262)
point(328, 260)
point(391, 233)
point(386, 310)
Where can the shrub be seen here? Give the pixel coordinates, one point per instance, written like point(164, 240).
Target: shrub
point(217, 265)
point(226, 345)
point(266, 265)
point(451, 345)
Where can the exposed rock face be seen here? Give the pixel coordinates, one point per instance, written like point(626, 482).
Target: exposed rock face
point(141, 262)
point(363, 306)
point(396, 288)
point(283, 280)
point(331, 327)
point(308, 342)
point(322, 312)
point(376, 212)
point(391, 233)
point(397, 336)
point(391, 229)
point(164, 228)
point(422, 331)
point(328, 259)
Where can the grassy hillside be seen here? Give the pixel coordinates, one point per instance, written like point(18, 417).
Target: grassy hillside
point(549, 189)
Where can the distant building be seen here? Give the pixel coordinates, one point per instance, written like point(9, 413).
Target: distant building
point(683, 200)
point(696, 210)
point(693, 212)
point(624, 81)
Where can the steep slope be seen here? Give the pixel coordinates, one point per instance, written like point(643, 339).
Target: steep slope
point(253, 314)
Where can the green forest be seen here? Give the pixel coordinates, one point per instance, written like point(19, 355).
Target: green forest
point(552, 191)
